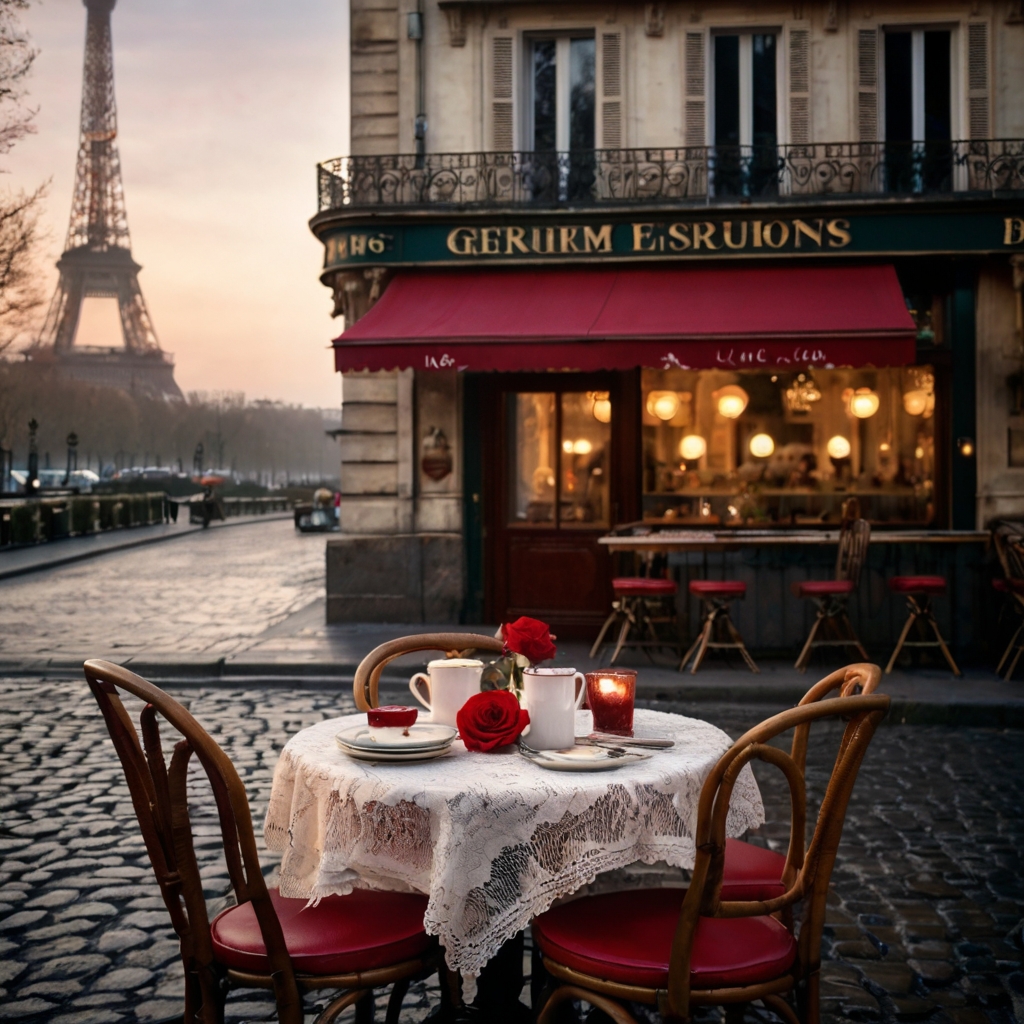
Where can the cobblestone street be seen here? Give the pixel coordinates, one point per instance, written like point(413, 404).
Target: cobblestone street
point(924, 923)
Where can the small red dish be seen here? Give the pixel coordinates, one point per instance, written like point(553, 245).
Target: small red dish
point(392, 716)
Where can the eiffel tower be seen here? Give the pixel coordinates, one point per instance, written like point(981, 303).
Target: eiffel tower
point(97, 259)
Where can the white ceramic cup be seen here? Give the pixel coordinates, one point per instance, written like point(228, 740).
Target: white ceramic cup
point(549, 694)
point(450, 683)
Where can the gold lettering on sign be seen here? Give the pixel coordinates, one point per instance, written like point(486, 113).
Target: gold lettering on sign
point(769, 232)
point(814, 234)
point(1013, 231)
point(679, 237)
point(702, 232)
point(460, 241)
point(549, 238)
point(567, 239)
point(358, 243)
point(839, 229)
point(727, 235)
point(641, 234)
point(597, 241)
point(514, 240)
point(490, 241)
point(757, 235)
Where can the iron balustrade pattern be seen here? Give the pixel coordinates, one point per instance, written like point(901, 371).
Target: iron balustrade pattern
point(691, 175)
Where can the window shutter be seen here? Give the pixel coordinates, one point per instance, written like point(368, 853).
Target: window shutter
point(696, 83)
point(867, 84)
point(611, 91)
point(502, 135)
point(799, 86)
point(977, 80)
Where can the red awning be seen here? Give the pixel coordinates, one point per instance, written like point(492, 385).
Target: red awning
point(598, 318)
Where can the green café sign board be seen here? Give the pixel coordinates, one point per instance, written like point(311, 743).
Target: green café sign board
point(697, 235)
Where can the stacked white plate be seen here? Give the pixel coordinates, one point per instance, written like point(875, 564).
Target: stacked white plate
point(417, 743)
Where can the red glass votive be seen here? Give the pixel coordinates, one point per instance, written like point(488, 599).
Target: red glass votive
point(610, 695)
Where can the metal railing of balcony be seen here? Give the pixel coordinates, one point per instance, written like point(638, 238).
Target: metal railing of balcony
point(686, 176)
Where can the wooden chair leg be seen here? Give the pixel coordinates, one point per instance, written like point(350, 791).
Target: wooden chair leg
point(705, 639)
point(365, 1008)
point(779, 1006)
point(845, 619)
point(805, 655)
point(628, 621)
point(1009, 647)
point(738, 640)
point(693, 646)
point(599, 642)
point(560, 995)
point(343, 1002)
point(942, 643)
point(1013, 664)
point(911, 619)
point(398, 992)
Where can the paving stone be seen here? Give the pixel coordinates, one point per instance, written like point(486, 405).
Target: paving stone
point(160, 953)
point(71, 966)
point(10, 969)
point(896, 979)
point(52, 989)
point(157, 1009)
point(87, 1017)
point(124, 979)
point(54, 898)
point(22, 919)
point(121, 938)
point(934, 972)
point(89, 909)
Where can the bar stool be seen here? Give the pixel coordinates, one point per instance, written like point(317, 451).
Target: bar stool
point(716, 596)
point(1009, 545)
point(641, 604)
point(919, 591)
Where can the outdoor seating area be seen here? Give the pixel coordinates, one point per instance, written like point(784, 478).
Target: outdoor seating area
point(388, 891)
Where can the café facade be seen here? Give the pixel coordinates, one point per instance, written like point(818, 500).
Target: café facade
point(543, 348)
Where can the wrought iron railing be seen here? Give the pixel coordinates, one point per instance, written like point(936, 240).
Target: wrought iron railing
point(691, 175)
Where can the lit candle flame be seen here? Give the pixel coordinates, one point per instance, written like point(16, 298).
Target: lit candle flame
point(608, 686)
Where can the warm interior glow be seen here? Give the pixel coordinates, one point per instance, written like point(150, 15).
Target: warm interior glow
point(864, 403)
point(663, 404)
point(567, 447)
point(761, 446)
point(603, 410)
point(582, 447)
point(966, 447)
point(838, 447)
point(731, 401)
point(693, 447)
point(919, 402)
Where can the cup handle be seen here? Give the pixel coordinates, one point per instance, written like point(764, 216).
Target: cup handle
point(581, 696)
point(415, 690)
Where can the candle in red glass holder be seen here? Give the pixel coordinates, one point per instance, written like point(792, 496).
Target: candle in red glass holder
point(610, 695)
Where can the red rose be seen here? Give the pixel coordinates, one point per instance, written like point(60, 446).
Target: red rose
point(529, 637)
point(491, 719)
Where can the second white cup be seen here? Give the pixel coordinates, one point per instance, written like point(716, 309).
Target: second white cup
point(450, 683)
point(549, 694)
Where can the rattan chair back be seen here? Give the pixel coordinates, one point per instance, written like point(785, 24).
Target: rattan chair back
point(159, 796)
point(454, 645)
point(808, 870)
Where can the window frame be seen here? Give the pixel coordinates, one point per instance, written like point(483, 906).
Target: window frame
point(563, 39)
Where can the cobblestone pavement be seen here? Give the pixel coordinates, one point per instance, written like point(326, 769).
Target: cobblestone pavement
point(924, 921)
point(210, 593)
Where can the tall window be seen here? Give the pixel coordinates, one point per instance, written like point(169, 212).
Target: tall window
point(561, 105)
point(918, 109)
point(745, 119)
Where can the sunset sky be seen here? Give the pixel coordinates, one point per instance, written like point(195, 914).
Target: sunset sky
point(224, 109)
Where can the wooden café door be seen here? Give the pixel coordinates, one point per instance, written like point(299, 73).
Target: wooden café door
point(560, 464)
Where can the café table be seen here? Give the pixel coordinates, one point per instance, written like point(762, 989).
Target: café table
point(491, 838)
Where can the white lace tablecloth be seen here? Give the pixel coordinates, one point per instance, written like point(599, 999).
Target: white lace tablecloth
point(491, 838)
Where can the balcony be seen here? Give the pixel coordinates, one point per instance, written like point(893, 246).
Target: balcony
point(691, 176)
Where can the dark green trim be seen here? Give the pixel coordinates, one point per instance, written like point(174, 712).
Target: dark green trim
point(963, 420)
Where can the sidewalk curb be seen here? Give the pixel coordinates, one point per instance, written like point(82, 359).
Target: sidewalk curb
point(136, 542)
point(224, 673)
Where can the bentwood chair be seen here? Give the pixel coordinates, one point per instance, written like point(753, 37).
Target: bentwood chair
point(832, 596)
point(675, 950)
point(1009, 545)
point(455, 645)
point(353, 943)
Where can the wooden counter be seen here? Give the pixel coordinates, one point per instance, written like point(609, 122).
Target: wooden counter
point(726, 540)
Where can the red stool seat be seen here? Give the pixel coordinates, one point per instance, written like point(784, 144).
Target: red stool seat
point(641, 586)
point(340, 935)
point(718, 588)
point(751, 872)
point(627, 937)
point(1005, 586)
point(822, 588)
point(918, 584)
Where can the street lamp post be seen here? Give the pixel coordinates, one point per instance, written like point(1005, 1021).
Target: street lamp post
point(72, 457)
point(32, 483)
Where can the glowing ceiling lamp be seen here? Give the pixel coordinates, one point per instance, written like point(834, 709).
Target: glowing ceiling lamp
point(582, 447)
point(838, 447)
point(663, 404)
point(602, 407)
point(731, 401)
point(761, 446)
point(693, 447)
point(864, 403)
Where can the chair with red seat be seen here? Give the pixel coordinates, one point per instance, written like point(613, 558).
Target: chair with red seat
point(641, 604)
point(1009, 544)
point(715, 597)
point(676, 950)
point(919, 591)
point(356, 943)
point(832, 596)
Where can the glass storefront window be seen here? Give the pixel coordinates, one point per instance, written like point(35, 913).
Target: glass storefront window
point(788, 448)
point(568, 434)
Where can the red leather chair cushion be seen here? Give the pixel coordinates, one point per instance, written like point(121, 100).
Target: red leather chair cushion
point(358, 932)
point(1004, 586)
point(640, 586)
point(751, 872)
point(627, 937)
point(718, 588)
point(918, 584)
point(822, 588)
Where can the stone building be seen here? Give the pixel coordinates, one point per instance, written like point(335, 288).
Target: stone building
point(541, 202)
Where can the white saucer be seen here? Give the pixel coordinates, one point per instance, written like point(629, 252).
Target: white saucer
point(421, 737)
point(583, 759)
point(405, 757)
